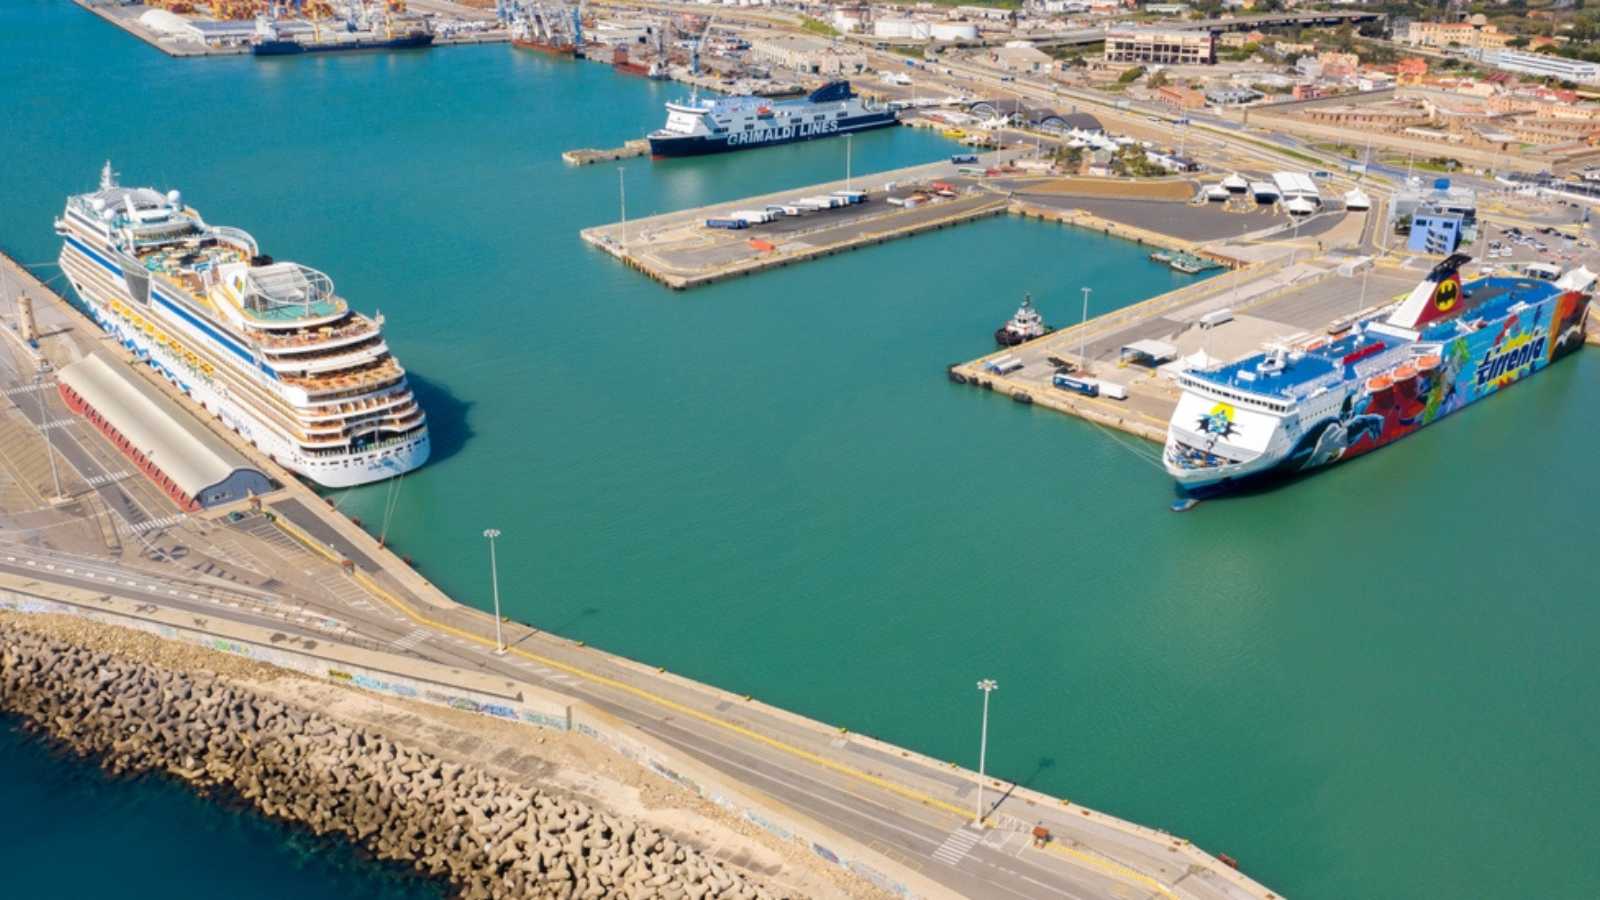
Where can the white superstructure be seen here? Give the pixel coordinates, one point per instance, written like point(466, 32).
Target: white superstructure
point(265, 346)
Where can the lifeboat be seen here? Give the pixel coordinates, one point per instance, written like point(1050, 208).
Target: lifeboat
point(1405, 372)
point(1379, 384)
point(1428, 363)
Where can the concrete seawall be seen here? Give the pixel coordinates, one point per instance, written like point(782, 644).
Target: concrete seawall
point(489, 838)
point(505, 700)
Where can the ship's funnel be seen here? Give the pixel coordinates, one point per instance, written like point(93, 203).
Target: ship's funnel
point(1437, 297)
point(1579, 279)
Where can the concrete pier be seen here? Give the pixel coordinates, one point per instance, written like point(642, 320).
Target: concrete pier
point(633, 148)
point(678, 250)
point(1275, 300)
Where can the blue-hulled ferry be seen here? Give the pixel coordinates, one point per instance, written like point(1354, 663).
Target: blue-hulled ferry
point(740, 123)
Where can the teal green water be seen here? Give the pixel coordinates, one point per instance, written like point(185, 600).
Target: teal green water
point(1374, 683)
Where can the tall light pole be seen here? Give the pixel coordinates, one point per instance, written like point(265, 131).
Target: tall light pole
point(622, 199)
point(847, 148)
point(987, 685)
point(1083, 331)
point(494, 579)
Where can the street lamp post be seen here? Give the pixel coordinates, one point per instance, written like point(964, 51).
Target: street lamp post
point(847, 147)
point(494, 580)
point(987, 685)
point(1083, 332)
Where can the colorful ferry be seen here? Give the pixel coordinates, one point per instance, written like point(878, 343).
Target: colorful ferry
point(1303, 405)
point(266, 346)
point(740, 123)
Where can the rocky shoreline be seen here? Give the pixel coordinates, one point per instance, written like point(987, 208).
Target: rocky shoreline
point(487, 836)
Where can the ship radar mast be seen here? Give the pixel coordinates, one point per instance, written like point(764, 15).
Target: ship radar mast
point(108, 177)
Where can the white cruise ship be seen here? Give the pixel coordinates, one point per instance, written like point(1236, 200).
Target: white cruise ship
point(265, 346)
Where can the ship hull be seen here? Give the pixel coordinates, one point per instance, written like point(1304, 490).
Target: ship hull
point(703, 145)
point(1472, 367)
point(552, 49)
point(97, 283)
point(295, 48)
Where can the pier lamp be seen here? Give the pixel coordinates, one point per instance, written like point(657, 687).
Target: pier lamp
point(494, 580)
point(1083, 338)
point(988, 686)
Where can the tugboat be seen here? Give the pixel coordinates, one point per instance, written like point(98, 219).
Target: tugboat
point(1026, 325)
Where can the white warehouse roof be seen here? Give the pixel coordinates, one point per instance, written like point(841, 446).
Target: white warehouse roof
point(202, 466)
point(1295, 184)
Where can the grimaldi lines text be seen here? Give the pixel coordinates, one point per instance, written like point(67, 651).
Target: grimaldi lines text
point(266, 346)
point(740, 123)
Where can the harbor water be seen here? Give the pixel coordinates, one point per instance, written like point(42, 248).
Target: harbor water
point(1376, 682)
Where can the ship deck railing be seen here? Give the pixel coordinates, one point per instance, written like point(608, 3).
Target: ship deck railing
point(297, 339)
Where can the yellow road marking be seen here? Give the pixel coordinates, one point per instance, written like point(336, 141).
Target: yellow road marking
point(1111, 867)
point(1104, 865)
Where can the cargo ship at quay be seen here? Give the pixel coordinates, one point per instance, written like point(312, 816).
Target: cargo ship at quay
point(743, 123)
point(1302, 405)
point(264, 345)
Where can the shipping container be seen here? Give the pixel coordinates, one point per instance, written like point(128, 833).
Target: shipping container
point(851, 197)
point(727, 223)
point(1111, 389)
point(1003, 365)
point(1085, 386)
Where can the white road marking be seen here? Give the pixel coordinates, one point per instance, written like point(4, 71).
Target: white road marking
point(956, 847)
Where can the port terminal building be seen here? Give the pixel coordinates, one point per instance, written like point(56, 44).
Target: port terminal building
point(194, 466)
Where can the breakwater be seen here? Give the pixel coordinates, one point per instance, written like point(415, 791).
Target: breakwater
point(487, 836)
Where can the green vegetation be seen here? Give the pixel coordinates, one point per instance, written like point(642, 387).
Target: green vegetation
point(1068, 158)
point(1242, 54)
point(1345, 150)
point(1130, 76)
point(1079, 53)
point(817, 26)
point(1131, 161)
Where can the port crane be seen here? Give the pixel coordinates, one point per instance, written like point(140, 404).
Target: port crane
point(552, 24)
point(694, 46)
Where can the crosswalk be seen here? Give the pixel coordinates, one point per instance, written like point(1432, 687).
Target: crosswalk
point(25, 389)
point(956, 847)
point(154, 524)
point(411, 640)
point(105, 478)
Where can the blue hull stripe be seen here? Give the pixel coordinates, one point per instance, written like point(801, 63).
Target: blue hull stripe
point(177, 310)
point(90, 252)
point(210, 332)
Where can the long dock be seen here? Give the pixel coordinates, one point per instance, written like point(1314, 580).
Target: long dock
point(585, 157)
point(678, 250)
point(1269, 301)
point(868, 809)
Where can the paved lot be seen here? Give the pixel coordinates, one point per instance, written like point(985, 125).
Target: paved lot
point(1180, 220)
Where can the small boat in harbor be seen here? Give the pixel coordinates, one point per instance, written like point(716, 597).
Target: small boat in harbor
point(1025, 325)
point(1190, 264)
point(1161, 256)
